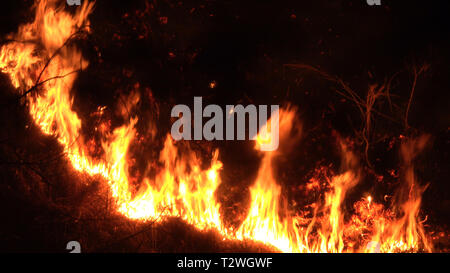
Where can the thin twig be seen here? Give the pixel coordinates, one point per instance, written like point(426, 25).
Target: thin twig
point(413, 89)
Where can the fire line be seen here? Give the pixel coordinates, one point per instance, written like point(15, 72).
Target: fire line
point(182, 188)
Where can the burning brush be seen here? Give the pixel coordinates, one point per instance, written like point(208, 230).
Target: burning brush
point(42, 61)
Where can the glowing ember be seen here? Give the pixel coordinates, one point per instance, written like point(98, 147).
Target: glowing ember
point(182, 188)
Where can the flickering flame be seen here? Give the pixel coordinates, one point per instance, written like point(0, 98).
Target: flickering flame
point(182, 188)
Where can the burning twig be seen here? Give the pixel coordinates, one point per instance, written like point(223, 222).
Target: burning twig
point(57, 51)
point(46, 80)
point(68, 40)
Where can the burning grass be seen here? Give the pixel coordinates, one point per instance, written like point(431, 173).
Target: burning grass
point(171, 202)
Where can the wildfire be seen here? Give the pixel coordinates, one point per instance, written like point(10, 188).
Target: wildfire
point(182, 188)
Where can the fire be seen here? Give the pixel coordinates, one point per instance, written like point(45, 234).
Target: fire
point(48, 66)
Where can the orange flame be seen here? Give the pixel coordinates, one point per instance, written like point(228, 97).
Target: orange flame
point(182, 188)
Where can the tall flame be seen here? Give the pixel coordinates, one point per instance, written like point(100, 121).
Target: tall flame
point(40, 59)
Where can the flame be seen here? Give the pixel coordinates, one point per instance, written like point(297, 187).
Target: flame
point(40, 59)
